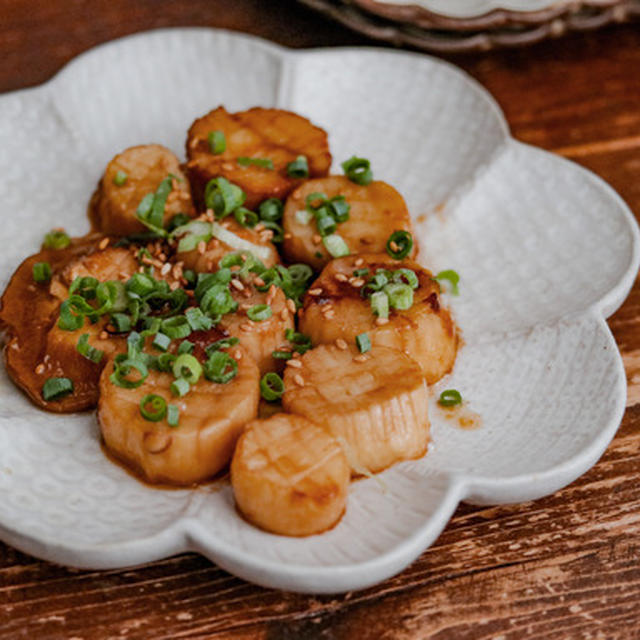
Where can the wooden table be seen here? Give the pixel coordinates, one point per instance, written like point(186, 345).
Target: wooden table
point(562, 567)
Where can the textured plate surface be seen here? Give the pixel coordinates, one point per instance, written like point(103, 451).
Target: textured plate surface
point(545, 251)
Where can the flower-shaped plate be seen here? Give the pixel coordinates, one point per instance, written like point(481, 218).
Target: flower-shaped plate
point(544, 248)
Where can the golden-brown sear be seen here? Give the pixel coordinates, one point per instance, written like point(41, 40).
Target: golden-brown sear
point(289, 476)
point(377, 210)
point(112, 208)
point(425, 332)
point(273, 134)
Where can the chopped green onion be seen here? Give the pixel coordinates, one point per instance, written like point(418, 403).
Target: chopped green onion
point(336, 245)
point(399, 244)
point(187, 366)
point(189, 275)
point(400, 295)
point(380, 304)
point(217, 142)
point(56, 239)
point(222, 196)
point(224, 343)
point(407, 276)
point(452, 278)
point(245, 217)
point(176, 327)
point(122, 368)
point(180, 387)
point(358, 273)
point(303, 216)
point(299, 168)
point(271, 209)
point(358, 170)
point(301, 343)
point(300, 273)
point(186, 346)
point(278, 232)
point(153, 407)
point(339, 208)
point(259, 312)
point(84, 286)
point(41, 272)
point(161, 341)
point(191, 234)
point(220, 367)
point(325, 222)
point(263, 163)
point(121, 322)
point(140, 284)
point(173, 415)
point(120, 178)
point(314, 201)
point(85, 349)
point(271, 386)
point(450, 398)
point(55, 388)
point(70, 320)
point(164, 362)
point(217, 300)
point(364, 342)
point(282, 355)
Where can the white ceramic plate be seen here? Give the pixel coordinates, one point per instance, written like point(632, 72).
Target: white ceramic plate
point(545, 251)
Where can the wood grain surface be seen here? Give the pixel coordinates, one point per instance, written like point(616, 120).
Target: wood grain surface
point(567, 566)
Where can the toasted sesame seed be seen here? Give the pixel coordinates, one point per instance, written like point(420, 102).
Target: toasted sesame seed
point(40, 369)
point(284, 314)
point(315, 292)
point(141, 269)
point(246, 327)
point(237, 354)
point(361, 358)
point(294, 363)
point(237, 284)
point(341, 344)
point(103, 243)
point(227, 166)
point(316, 238)
point(246, 293)
point(381, 321)
point(166, 267)
point(177, 271)
point(103, 335)
point(296, 355)
point(202, 245)
point(259, 282)
point(299, 380)
point(393, 246)
point(291, 305)
point(341, 277)
point(266, 235)
point(287, 236)
point(174, 285)
point(259, 227)
point(357, 282)
point(329, 314)
point(359, 262)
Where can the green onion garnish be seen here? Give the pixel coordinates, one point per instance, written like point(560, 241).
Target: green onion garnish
point(197, 320)
point(400, 295)
point(55, 388)
point(176, 327)
point(358, 170)
point(121, 322)
point(452, 278)
point(217, 142)
point(325, 222)
point(185, 347)
point(271, 386)
point(300, 273)
point(303, 216)
point(122, 369)
point(299, 168)
point(301, 343)
point(164, 362)
point(120, 178)
point(245, 217)
point(70, 319)
point(282, 355)
point(153, 407)
point(161, 341)
point(450, 398)
point(407, 276)
point(179, 220)
point(187, 366)
point(336, 245)
point(180, 387)
point(173, 415)
point(259, 312)
point(263, 163)
point(41, 272)
point(271, 209)
point(223, 197)
point(339, 208)
point(278, 231)
point(358, 273)
point(380, 304)
point(399, 244)
point(140, 284)
point(364, 342)
point(85, 349)
point(220, 367)
point(56, 240)
point(224, 343)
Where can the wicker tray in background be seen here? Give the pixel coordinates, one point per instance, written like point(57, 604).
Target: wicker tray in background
point(414, 26)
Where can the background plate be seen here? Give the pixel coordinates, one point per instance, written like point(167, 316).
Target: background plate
point(545, 250)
